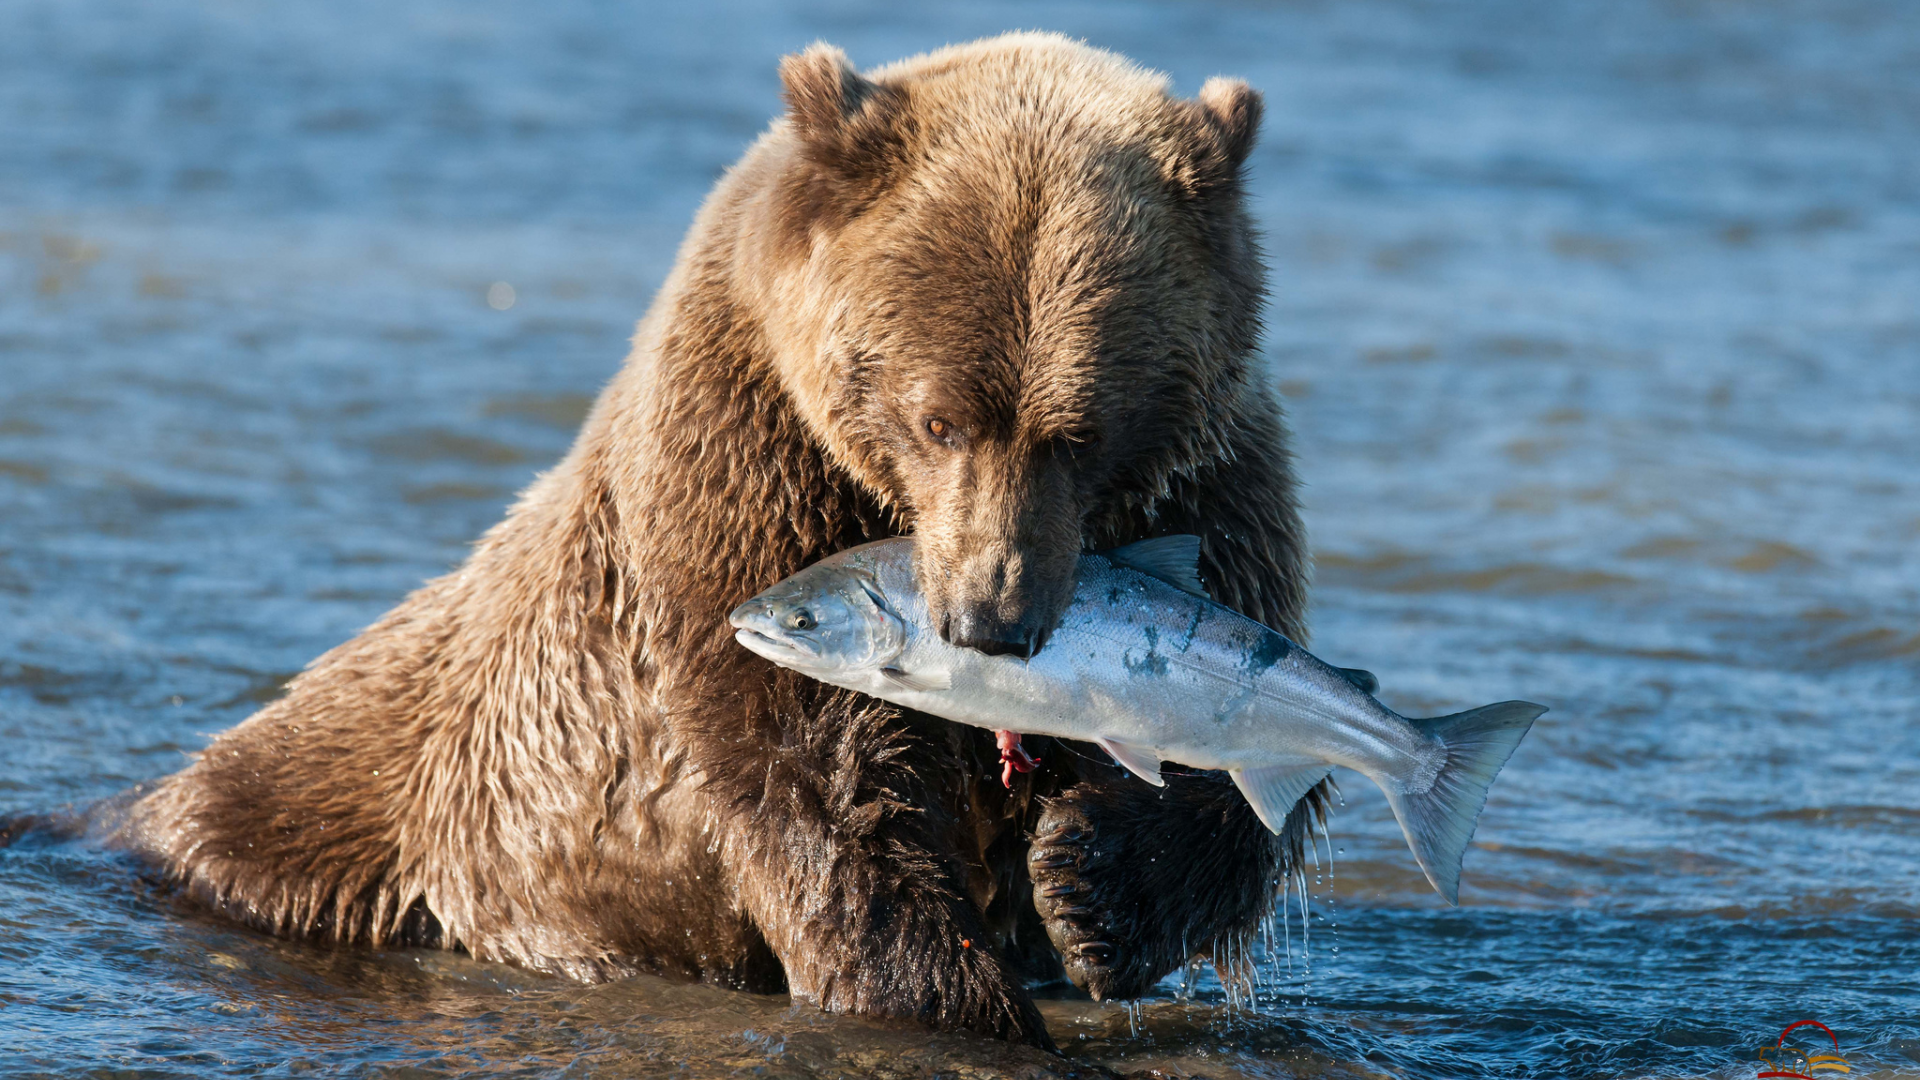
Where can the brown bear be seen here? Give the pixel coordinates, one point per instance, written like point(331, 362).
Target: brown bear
point(1004, 296)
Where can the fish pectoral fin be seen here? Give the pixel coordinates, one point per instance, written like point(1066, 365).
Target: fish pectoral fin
point(1173, 559)
point(1273, 790)
point(923, 681)
point(1137, 760)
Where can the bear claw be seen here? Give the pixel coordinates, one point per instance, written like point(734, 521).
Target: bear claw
point(1065, 832)
point(1097, 952)
point(1053, 859)
point(1084, 890)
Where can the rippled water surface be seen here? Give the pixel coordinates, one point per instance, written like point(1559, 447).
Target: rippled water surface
point(1600, 329)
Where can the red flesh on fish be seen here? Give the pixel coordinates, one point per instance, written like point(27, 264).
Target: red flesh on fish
point(1013, 757)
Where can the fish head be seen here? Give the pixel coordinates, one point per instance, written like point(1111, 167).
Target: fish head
point(831, 621)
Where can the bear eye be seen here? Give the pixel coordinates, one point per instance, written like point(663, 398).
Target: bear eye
point(801, 620)
point(1074, 445)
point(941, 429)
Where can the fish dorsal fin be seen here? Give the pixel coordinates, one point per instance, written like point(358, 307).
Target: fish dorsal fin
point(1274, 789)
point(1139, 761)
point(923, 681)
point(1363, 680)
point(1173, 559)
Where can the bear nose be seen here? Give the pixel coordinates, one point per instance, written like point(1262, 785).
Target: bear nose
point(976, 629)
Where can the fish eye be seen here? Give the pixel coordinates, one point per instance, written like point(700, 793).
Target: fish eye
point(801, 620)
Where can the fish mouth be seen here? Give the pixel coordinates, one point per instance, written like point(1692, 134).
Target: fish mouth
point(776, 649)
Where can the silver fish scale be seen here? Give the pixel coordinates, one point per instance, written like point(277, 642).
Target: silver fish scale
point(1152, 673)
point(1141, 662)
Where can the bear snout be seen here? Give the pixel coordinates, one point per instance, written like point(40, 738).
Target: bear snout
point(1005, 603)
point(976, 627)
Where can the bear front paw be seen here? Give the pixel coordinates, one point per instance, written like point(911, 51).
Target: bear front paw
point(1087, 894)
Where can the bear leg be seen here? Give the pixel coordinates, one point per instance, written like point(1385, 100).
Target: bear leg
point(848, 865)
point(1133, 881)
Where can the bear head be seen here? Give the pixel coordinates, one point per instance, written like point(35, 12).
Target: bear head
point(1017, 296)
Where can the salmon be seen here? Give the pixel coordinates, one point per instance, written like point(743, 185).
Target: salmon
point(1143, 664)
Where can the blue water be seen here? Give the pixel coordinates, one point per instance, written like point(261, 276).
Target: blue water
point(1599, 324)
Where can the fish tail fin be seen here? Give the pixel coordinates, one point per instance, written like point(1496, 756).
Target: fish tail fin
point(1439, 821)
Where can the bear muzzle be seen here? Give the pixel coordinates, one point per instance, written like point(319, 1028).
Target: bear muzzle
point(1007, 606)
point(978, 627)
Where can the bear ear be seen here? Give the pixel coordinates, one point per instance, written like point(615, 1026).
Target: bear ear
point(823, 91)
point(1233, 110)
point(847, 122)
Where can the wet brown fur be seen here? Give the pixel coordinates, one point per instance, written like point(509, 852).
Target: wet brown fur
point(557, 756)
